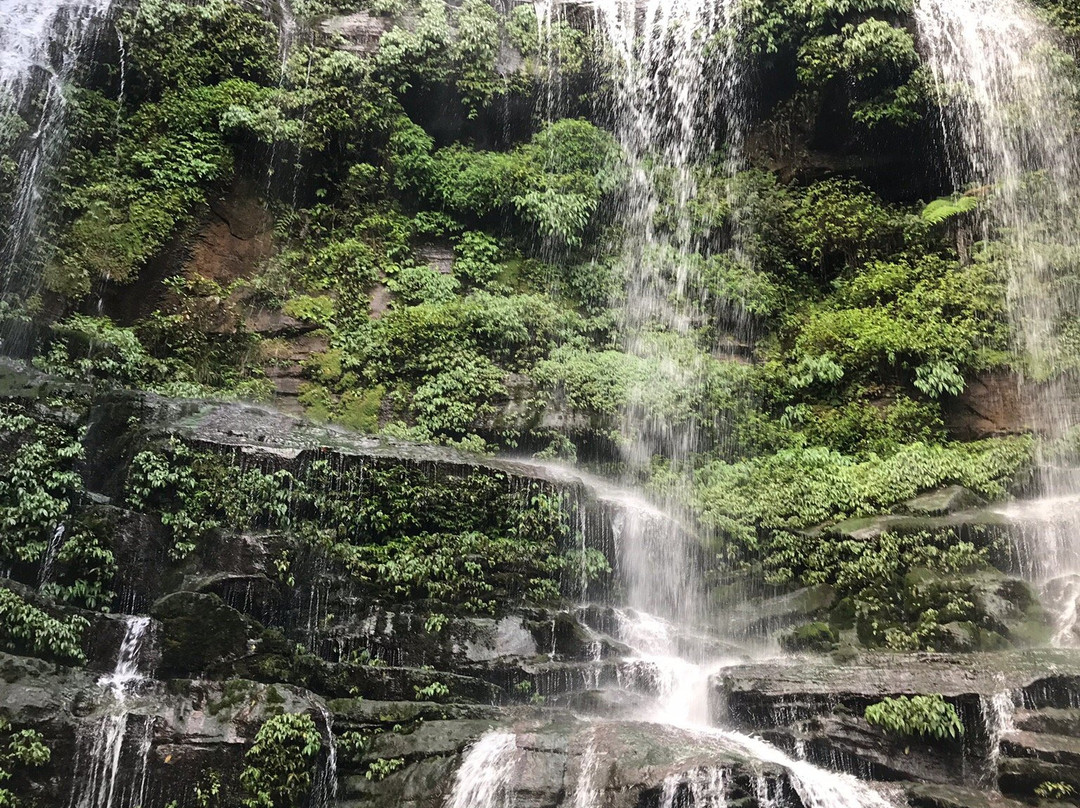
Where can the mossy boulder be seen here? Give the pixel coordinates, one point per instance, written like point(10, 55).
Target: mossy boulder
point(815, 636)
point(200, 633)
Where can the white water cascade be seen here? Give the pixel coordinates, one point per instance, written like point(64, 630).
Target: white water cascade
point(676, 92)
point(997, 714)
point(485, 778)
point(98, 785)
point(324, 789)
point(42, 44)
point(1007, 96)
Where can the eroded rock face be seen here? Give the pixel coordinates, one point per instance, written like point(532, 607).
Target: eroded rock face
point(1016, 709)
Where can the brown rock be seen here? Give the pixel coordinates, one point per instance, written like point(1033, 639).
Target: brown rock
point(990, 405)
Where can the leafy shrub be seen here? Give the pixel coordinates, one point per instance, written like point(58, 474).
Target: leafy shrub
point(19, 750)
point(797, 488)
point(423, 284)
point(477, 257)
point(38, 483)
point(1051, 790)
point(474, 53)
point(95, 349)
point(927, 716)
point(278, 767)
point(421, 56)
point(24, 628)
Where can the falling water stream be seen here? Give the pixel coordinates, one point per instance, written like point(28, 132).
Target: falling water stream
point(99, 784)
point(42, 44)
point(1010, 137)
point(1007, 96)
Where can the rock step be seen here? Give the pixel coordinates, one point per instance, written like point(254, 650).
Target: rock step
point(1022, 776)
point(1051, 720)
point(937, 796)
point(1060, 749)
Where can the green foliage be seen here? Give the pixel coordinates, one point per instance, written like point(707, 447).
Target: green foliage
point(38, 483)
point(875, 61)
point(436, 691)
point(420, 56)
point(474, 54)
point(798, 488)
point(950, 207)
point(195, 492)
point(423, 284)
point(468, 541)
point(19, 750)
point(861, 428)
point(383, 767)
point(772, 25)
point(926, 716)
point(181, 43)
point(126, 203)
point(86, 570)
point(95, 349)
point(319, 309)
point(278, 767)
point(1050, 790)
point(934, 317)
point(939, 378)
point(477, 257)
point(900, 588)
point(475, 565)
point(26, 629)
point(840, 223)
point(555, 182)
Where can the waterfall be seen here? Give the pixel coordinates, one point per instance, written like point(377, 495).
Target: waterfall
point(674, 68)
point(997, 714)
point(707, 789)
point(99, 786)
point(817, 788)
point(1007, 99)
point(42, 44)
point(324, 789)
point(485, 776)
point(587, 793)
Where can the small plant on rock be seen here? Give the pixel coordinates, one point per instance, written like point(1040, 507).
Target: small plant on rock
point(278, 766)
point(925, 716)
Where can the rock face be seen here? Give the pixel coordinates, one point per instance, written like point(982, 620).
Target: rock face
point(1016, 710)
point(259, 618)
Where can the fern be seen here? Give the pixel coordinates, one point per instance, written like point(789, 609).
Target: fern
point(949, 207)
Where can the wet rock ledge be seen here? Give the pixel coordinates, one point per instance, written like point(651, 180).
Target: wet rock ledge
point(1020, 711)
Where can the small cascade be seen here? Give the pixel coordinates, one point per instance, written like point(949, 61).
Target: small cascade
point(52, 550)
point(997, 715)
point(1046, 539)
point(702, 788)
point(100, 786)
point(1007, 95)
point(324, 789)
point(587, 791)
point(42, 44)
point(486, 775)
point(680, 685)
point(817, 788)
